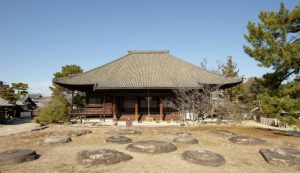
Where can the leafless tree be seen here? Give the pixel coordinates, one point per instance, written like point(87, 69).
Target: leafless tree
point(197, 102)
point(203, 63)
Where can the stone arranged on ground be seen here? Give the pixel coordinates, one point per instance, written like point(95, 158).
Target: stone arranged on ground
point(43, 124)
point(57, 140)
point(102, 156)
point(203, 157)
point(68, 124)
point(81, 132)
point(185, 139)
point(152, 147)
point(225, 133)
point(177, 132)
point(17, 156)
point(39, 128)
point(246, 140)
point(129, 132)
point(119, 139)
point(288, 133)
point(286, 156)
point(124, 132)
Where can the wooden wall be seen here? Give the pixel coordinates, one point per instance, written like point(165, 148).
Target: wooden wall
point(114, 99)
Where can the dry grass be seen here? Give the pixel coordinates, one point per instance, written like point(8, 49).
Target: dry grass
point(62, 158)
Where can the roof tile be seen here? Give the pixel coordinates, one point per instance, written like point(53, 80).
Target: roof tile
point(147, 69)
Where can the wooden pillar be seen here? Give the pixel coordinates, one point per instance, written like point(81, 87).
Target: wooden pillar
point(114, 107)
point(161, 109)
point(85, 100)
point(104, 100)
point(136, 109)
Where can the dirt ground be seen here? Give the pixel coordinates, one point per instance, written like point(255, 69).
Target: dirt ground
point(62, 157)
point(17, 126)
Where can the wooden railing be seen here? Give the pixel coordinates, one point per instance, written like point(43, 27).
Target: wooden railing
point(92, 111)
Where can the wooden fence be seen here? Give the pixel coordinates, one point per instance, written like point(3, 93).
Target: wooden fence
point(271, 122)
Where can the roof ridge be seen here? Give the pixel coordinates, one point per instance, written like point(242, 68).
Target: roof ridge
point(148, 51)
point(204, 69)
point(93, 69)
point(194, 65)
point(129, 52)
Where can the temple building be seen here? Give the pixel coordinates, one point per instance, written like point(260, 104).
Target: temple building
point(135, 86)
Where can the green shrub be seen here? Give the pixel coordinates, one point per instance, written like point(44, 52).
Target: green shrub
point(290, 120)
point(78, 101)
point(57, 111)
point(274, 105)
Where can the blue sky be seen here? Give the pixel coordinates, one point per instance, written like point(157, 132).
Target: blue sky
point(37, 37)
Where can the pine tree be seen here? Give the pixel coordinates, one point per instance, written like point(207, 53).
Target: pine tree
point(15, 92)
point(229, 69)
point(275, 43)
point(67, 70)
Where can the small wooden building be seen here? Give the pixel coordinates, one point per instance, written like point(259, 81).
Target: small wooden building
point(7, 109)
point(136, 85)
point(25, 107)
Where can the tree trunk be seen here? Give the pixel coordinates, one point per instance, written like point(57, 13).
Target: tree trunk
point(72, 102)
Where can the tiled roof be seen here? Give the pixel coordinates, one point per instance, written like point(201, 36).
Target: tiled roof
point(35, 96)
point(147, 69)
point(5, 102)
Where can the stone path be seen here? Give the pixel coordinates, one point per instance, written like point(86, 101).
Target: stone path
point(203, 157)
point(17, 156)
point(152, 147)
point(119, 139)
point(285, 156)
point(102, 156)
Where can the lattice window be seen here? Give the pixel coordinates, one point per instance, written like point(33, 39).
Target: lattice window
point(94, 100)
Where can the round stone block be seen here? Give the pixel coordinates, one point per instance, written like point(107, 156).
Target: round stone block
point(152, 147)
point(102, 156)
point(177, 132)
point(285, 156)
point(39, 128)
point(57, 140)
point(119, 139)
point(185, 139)
point(224, 133)
point(124, 132)
point(244, 140)
point(17, 156)
point(81, 132)
point(203, 157)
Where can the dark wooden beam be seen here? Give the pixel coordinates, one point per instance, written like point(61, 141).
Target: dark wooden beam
point(114, 107)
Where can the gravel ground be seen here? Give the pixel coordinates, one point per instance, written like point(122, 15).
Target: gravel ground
point(17, 126)
point(62, 157)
